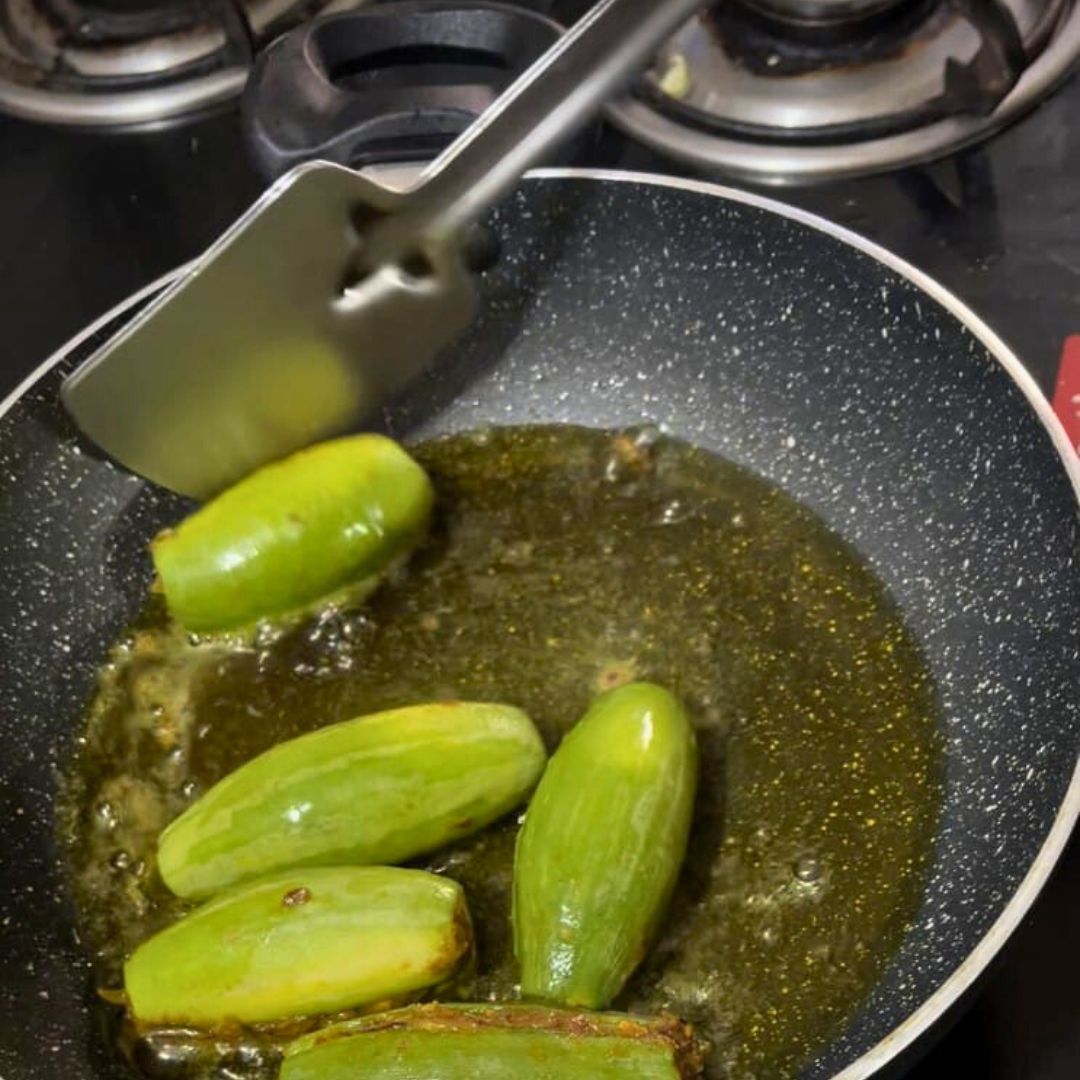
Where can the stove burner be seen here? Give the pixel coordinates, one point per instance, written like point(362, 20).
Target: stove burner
point(790, 90)
point(111, 21)
point(823, 12)
point(133, 62)
point(910, 67)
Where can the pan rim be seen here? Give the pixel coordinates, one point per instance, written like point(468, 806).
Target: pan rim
point(1025, 894)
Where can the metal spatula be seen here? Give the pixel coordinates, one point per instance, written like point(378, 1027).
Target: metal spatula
point(331, 292)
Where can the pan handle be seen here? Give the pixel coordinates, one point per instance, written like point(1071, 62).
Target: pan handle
point(393, 82)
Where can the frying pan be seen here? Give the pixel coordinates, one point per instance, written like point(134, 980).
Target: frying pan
point(784, 343)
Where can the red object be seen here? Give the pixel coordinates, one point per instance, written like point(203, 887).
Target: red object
point(1066, 401)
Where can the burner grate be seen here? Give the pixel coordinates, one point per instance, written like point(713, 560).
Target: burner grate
point(133, 62)
point(756, 88)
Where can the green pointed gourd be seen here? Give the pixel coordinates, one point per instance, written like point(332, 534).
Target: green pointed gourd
point(496, 1042)
point(601, 847)
point(301, 943)
point(293, 532)
point(378, 789)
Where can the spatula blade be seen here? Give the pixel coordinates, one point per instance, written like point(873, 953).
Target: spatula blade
point(260, 349)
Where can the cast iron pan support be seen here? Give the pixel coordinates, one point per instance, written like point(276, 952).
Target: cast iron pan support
point(386, 83)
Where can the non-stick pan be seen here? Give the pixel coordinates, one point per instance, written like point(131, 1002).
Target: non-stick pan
point(784, 343)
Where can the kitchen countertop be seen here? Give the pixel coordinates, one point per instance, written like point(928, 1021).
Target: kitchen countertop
point(86, 219)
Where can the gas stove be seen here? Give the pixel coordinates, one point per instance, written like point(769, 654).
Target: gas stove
point(112, 195)
point(776, 91)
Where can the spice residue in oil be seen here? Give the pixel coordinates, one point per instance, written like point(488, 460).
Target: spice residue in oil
point(563, 562)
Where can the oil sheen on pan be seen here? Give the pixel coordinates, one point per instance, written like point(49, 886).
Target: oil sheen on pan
point(564, 561)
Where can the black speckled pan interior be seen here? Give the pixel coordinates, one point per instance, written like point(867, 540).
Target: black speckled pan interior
point(825, 366)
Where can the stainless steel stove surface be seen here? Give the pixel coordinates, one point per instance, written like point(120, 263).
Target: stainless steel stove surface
point(88, 217)
point(124, 62)
point(776, 91)
point(795, 90)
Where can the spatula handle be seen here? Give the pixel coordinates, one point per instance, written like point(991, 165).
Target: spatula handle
point(548, 103)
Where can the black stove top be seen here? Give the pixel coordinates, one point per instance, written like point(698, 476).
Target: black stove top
point(88, 218)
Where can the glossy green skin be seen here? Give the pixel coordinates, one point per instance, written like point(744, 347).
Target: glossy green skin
point(508, 1042)
point(600, 850)
point(378, 789)
point(293, 532)
point(301, 943)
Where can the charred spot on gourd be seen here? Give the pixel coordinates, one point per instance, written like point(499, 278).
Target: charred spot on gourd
point(613, 674)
